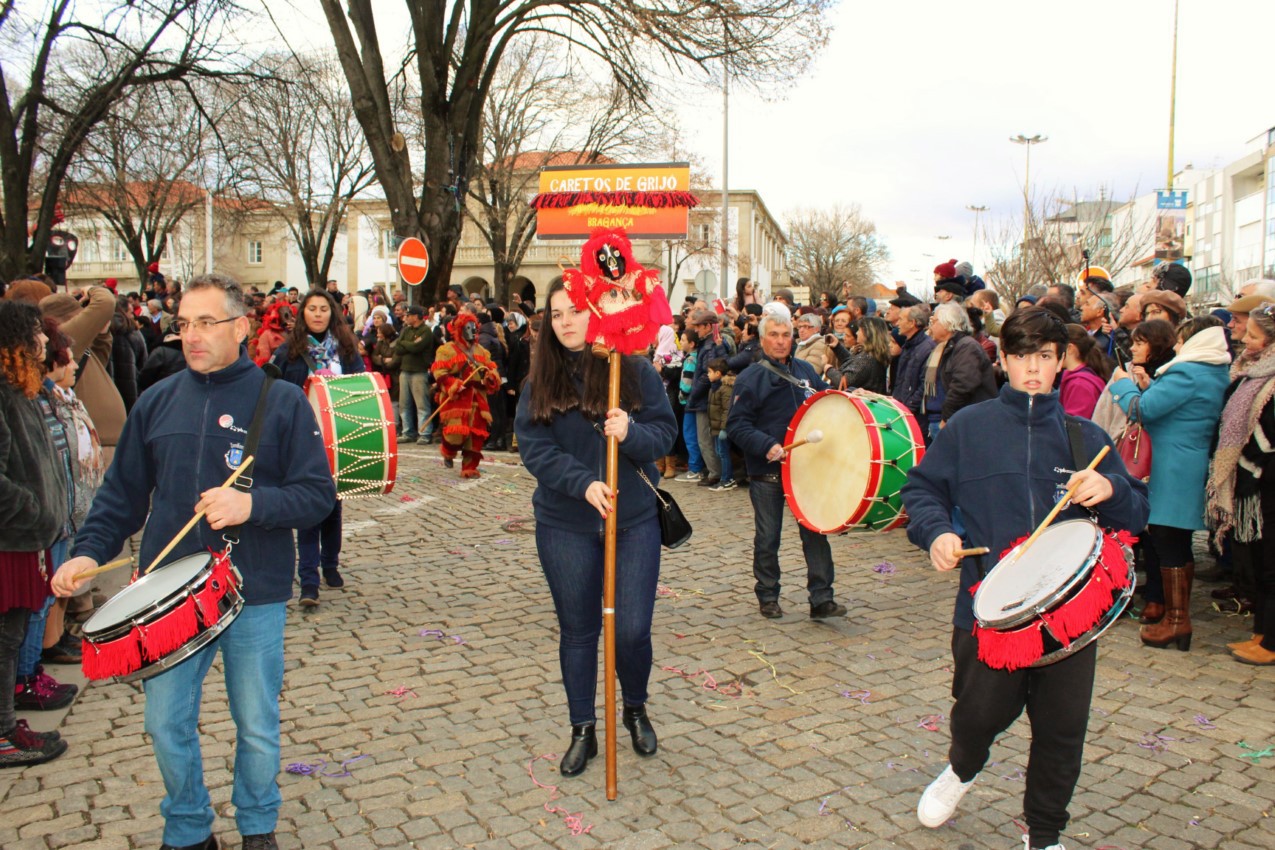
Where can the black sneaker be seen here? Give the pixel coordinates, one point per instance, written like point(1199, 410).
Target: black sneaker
point(264, 841)
point(332, 577)
point(209, 844)
point(825, 610)
point(709, 482)
point(771, 610)
point(41, 692)
point(22, 747)
point(310, 596)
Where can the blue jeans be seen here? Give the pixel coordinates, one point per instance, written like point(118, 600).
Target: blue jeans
point(723, 453)
point(413, 398)
point(572, 563)
point(319, 545)
point(33, 643)
point(252, 653)
point(694, 460)
point(768, 510)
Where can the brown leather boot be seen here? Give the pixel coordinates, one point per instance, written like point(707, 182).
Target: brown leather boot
point(1240, 644)
point(659, 465)
point(670, 466)
point(1176, 625)
point(1152, 612)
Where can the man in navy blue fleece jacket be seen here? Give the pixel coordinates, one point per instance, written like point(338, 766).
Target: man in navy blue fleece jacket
point(766, 397)
point(178, 446)
point(1004, 463)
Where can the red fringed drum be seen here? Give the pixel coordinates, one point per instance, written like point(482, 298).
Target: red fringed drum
point(1065, 591)
point(162, 618)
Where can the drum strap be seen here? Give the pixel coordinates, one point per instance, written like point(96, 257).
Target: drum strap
point(1078, 455)
point(244, 483)
point(772, 368)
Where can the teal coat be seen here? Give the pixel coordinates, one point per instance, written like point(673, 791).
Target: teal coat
point(1180, 410)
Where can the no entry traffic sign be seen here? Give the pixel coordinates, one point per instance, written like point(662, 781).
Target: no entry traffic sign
point(413, 260)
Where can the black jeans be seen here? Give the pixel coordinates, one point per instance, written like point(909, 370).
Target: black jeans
point(1057, 699)
point(13, 628)
point(1164, 547)
point(768, 509)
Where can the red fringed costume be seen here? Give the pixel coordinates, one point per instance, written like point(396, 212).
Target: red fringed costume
point(625, 301)
point(464, 374)
point(275, 324)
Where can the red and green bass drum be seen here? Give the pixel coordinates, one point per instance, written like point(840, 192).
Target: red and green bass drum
point(356, 420)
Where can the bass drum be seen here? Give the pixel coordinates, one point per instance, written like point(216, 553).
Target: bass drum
point(851, 478)
point(356, 419)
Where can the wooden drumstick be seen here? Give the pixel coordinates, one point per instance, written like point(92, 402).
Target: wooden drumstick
point(965, 553)
point(105, 568)
point(234, 476)
point(1058, 507)
point(813, 437)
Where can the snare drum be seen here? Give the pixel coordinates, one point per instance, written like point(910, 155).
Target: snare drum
point(853, 475)
point(356, 419)
point(1065, 591)
point(163, 618)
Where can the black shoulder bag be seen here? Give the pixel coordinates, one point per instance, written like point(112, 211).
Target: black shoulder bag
point(675, 528)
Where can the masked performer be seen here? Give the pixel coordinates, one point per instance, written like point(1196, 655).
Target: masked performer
point(464, 374)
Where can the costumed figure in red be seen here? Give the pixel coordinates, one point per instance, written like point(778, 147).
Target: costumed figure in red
point(275, 324)
point(464, 374)
point(626, 304)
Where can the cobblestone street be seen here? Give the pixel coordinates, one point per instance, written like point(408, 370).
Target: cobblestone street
point(425, 698)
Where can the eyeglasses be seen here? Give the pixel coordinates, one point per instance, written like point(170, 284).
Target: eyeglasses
point(180, 326)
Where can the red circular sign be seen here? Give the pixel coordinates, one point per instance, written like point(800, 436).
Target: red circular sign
point(413, 260)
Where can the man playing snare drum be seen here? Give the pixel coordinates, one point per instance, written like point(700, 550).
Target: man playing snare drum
point(767, 395)
point(179, 445)
point(998, 467)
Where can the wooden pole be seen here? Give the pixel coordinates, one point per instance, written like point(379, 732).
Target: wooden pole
point(608, 576)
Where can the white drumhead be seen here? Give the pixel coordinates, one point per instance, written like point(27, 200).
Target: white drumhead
point(829, 479)
point(149, 590)
point(1017, 585)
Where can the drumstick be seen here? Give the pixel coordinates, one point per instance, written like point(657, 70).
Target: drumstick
point(234, 476)
point(976, 550)
point(1058, 507)
point(450, 395)
point(105, 568)
point(813, 437)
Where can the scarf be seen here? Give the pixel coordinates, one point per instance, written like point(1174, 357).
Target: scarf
point(932, 369)
point(324, 353)
point(1208, 346)
point(1256, 374)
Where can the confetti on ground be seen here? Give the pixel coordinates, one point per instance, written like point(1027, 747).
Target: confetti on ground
point(1203, 722)
point(673, 593)
point(1016, 776)
point(862, 696)
point(574, 822)
point(760, 655)
point(402, 692)
point(407, 498)
point(503, 543)
point(731, 690)
point(1155, 742)
point(884, 568)
point(931, 722)
point(440, 635)
point(1255, 754)
point(318, 768)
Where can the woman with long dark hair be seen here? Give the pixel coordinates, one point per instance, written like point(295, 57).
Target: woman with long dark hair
point(33, 502)
point(562, 425)
point(320, 342)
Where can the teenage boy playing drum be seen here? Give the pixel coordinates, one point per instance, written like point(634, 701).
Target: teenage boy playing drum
point(997, 468)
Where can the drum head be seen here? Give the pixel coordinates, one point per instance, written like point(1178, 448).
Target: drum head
point(826, 482)
point(150, 590)
point(1017, 588)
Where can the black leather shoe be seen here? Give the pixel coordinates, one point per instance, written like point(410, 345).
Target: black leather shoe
point(824, 610)
point(264, 841)
point(210, 844)
point(640, 729)
point(771, 610)
point(584, 746)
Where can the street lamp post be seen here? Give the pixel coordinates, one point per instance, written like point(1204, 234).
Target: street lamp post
point(976, 210)
point(1027, 141)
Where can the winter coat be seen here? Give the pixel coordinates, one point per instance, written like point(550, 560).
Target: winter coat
point(123, 361)
point(763, 405)
point(707, 352)
point(415, 348)
point(1080, 389)
point(965, 373)
point(33, 486)
point(167, 359)
point(719, 400)
point(815, 352)
point(862, 370)
point(93, 384)
point(909, 376)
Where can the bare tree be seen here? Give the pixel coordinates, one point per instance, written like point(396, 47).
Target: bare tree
point(1051, 247)
point(835, 248)
point(149, 164)
point(47, 113)
point(457, 49)
point(301, 149)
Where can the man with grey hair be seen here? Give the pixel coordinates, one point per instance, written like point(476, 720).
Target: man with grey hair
point(178, 445)
point(909, 378)
point(767, 394)
point(1258, 286)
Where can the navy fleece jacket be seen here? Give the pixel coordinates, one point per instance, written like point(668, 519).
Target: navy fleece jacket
point(569, 454)
point(764, 404)
point(179, 440)
point(1004, 463)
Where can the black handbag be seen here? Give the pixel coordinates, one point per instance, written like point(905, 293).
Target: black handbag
point(675, 528)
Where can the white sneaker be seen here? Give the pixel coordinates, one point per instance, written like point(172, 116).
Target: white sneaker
point(941, 798)
point(1027, 845)
point(689, 476)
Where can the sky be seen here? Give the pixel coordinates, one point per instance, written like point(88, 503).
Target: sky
point(909, 109)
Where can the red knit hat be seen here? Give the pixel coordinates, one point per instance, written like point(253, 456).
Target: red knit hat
point(111, 284)
point(946, 270)
point(153, 268)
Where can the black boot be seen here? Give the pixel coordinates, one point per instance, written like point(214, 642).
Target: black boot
point(584, 746)
point(640, 729)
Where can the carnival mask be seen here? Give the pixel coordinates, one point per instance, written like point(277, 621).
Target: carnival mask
point(611, 262)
